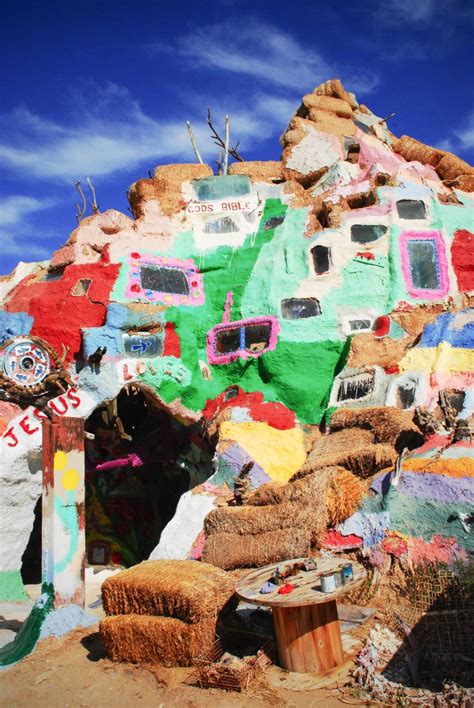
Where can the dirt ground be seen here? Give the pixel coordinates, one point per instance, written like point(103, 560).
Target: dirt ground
point(74, 671)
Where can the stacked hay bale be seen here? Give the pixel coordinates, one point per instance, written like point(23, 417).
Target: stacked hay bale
point(163, 611)
point(281, 521)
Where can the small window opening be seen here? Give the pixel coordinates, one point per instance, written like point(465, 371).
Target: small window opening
point(366, 233)
point(359, 201)
point(298, 308)
point(406, 394)
point(223, 225)
point(164, 280)
point(81, 287)
point(323, 214)
point(353, 388)
point(321, 259)
point(274, 222)
point(411, 209)
point(228, 340)
point(257, 337)
point(423, 260)
point(382, 178)
point(353, 151)
point(455, 399)
point(231, 392)
point(361, 325)
point(55, 273)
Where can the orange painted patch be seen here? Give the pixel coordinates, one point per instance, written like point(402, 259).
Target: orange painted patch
point(459, 467)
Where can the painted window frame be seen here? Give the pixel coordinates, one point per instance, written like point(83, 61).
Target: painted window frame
point(441, 266)
point(216, 357)
point(135, 291)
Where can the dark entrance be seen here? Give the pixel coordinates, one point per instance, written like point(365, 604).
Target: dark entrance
point(138, 465)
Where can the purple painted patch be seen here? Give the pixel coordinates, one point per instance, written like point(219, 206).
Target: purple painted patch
point(237, 457)
point(425, 485)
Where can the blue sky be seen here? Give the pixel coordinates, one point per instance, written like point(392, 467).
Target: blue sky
point(103, 89)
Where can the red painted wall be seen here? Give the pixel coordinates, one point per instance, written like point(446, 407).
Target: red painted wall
point(462, 256)
point(58, 314)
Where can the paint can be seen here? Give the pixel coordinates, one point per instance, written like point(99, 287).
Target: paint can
point(328, 582)
point(348, 572)
point(339, 576)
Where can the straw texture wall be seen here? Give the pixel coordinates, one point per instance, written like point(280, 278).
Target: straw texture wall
point(165, 640)
point(253, 520)
point(187, 590)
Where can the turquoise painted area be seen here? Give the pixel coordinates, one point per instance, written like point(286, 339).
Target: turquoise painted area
point(28, 635)
point(68, 517)
point(11, 586)
point(421, 518)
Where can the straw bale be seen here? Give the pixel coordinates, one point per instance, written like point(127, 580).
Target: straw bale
point(334, 489)
point(328, 103)
point(363, 462)
point(164, 640)
point(414, 150)
point(341, 441)
point(334, 87)
point(465, 182)
point(185, 589)
point(258, 170)
point(254, 520)
point(183, 172)
point(450, 166)
point(329, 123)
point(230, 550)
point(303, 488)
point(389, 425)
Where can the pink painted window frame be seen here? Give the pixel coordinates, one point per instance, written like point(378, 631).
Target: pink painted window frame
point(215, 358)
point(421, 293)
point(188, 267)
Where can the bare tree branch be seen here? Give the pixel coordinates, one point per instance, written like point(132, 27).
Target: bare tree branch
point(93, 203)
point(80, 210)
point(218, 140)
point(193, 143)
point(226, 145)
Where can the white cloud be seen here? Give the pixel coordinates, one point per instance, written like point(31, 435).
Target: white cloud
point(408, 10)
point(107, 131)
point(17, 234)
point(265, 53)
point(461, 139)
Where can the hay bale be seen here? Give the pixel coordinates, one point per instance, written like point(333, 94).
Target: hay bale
point(164, 640)
point(253, 520)
point(344, 493)
point(339, 442)
point(304, 489)
point(389, 425)
point(414, 150)
point(231, 550)
point(328, 103)
point(363, 462)
point(185, 589)
point(450, 166)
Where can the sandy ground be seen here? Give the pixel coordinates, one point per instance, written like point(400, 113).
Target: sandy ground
point(74, 671)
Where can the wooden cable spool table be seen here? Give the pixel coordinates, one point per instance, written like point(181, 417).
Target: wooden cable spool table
point(305, 620)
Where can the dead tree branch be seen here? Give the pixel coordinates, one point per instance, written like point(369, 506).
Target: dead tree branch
point(221, 143)
point(193, 143)
point(80, 210)
point(93, 203)
point(226, 145)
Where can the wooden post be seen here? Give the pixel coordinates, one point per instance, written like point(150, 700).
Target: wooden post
point(63, 534)
point(309, 638)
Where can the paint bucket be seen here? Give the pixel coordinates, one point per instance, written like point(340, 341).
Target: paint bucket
point(328, 582)
point(339, 577)
point(348, 572)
